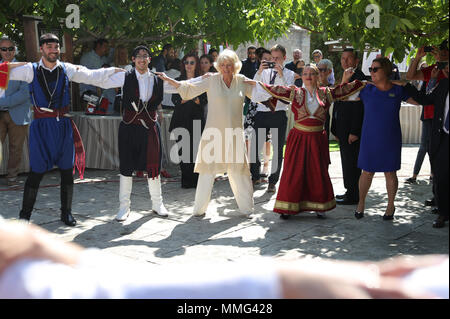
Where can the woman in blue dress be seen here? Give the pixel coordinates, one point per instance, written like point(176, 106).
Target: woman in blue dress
point(381, 138)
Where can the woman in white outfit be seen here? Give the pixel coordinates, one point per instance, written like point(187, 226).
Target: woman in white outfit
point(222, 146)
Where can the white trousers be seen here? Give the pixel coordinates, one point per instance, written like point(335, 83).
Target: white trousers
point(241, 185)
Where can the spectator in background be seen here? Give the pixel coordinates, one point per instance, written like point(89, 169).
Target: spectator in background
point(439, 142)
point(173, 71)
point(346, 125)
point(214, 53)
point(298, 72)
point(297, 55)
point(250, 65)
point(187, 114)
point(160, 62)
point(249, 120)
point(425, 136)
point(325, 68)
point(121, 58)
point(275, 121)
point(15, 114)
point(441, 55)
point(317, 56)
point(94, 59)
point(206, 64)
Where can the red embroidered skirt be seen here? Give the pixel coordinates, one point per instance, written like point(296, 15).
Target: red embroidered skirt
point(305, 184)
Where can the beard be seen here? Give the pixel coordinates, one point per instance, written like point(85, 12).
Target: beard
point(50, 57)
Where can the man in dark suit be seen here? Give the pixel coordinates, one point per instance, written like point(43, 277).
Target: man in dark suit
point(439, 146)
point(250, 65)
point(346, 126)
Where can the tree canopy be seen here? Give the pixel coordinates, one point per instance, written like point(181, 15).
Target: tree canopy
point(402, 23)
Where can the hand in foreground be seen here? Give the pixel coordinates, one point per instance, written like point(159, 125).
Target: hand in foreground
point(355, 280)
point(22, 241)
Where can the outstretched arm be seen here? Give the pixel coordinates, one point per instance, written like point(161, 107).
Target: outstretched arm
point(105, 78)
point(20, 71)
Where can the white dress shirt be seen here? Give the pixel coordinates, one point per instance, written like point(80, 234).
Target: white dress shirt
point(286, 80)
point(76, 73)
point(146, 82)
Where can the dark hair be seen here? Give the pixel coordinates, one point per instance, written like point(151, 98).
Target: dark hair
point(139, 48)
point(443, 45)
point(106, 65)
point(174, 64)
point(251, 47)
point(386, 65)
point(278, 47)
point(197, 65)
point(99, 42)
point(47, 38)
point(212, 50)
point(301, 60)
point(167, 46)
point(211, 60)
point(207, 56)
point(355, 53)
point(261, 52)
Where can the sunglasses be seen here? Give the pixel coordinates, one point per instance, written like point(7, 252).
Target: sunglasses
point(10, 49)
point(374, 70)
point(323, 70)
point(189, 62)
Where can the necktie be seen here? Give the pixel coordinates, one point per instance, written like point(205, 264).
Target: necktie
point(272, 80)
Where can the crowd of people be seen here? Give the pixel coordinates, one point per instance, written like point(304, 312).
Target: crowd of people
point(240, 109)
point(253, 97)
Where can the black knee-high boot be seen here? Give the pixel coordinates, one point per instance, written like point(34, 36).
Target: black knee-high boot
point(66, 197)
point(29, 194)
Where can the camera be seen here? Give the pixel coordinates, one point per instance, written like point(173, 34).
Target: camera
point(428, 48)
point(270, 65)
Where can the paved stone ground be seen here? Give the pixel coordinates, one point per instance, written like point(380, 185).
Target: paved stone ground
point(223, 235)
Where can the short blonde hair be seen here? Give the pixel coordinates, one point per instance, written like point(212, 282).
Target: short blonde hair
point(231, 56)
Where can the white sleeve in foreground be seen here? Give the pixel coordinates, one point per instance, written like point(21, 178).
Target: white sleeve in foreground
point(99, 275)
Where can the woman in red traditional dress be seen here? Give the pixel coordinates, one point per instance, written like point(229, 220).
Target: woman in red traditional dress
point(305, 184)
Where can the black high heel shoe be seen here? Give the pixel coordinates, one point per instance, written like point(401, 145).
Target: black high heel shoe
point(359, 215)
point(389, 217)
